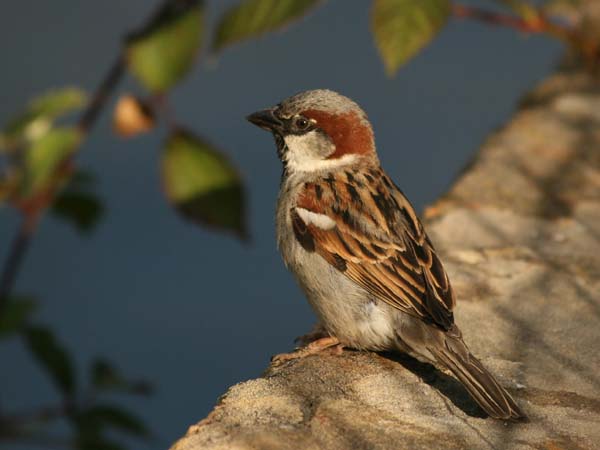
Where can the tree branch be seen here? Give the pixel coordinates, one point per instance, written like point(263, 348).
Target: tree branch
point(495, 18)
point(87, 120)
point(586, 46)
point(22, 239)
point(103, 92)
point(18, 248)
point(538, 23)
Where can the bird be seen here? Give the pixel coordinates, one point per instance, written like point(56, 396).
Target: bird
point(358, 249)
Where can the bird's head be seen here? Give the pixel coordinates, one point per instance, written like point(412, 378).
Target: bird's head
point(318, 130)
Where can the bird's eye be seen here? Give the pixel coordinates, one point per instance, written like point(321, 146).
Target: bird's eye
point(301, 123)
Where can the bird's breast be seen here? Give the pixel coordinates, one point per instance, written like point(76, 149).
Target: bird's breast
point(345, 309)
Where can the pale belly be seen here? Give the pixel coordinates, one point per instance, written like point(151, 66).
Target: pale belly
point(345, 309)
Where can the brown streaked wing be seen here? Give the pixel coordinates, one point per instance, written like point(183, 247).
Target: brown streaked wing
point(378, 242)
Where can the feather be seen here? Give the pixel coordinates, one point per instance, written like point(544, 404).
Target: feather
point(363, 225)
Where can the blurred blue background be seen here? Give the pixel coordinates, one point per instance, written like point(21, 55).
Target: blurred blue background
point(192, 310)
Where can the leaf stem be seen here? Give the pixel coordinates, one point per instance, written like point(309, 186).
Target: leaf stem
point(103, 92)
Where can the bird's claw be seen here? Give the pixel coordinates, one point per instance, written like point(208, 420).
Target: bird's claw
point(312, 348)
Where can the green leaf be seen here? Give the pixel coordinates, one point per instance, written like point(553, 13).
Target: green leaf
point(201, 183)
point(105, 376)
point(161, 54)
point(45, 156)
point(252, 18)
point(52, 356)
point(116, 417)
point(403, 27)
point(93, 440)
point(15, 314)
point(81, 209)
point(39, 116)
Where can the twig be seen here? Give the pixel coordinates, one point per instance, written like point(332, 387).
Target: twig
point(11, 431)
point(43, 414)
point(30, 219)
point(537, 23)
point(22, 239)
point(15, 256)
point(495, 18)
point(41, 440)
point(87, 120)
point(160, 103)
point(111, 80)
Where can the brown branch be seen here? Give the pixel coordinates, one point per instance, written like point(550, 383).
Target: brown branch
point(495, 18)
point(103, 92)
point(86, 121)
point(538, 23)
point(30, 219)
point(588, 47)
point(22, 239)
point(15, 256)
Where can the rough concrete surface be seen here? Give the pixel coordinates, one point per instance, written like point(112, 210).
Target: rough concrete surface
point(519, 234)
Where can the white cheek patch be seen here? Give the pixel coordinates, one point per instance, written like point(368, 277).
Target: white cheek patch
point(303, 151)
point(306, 153)
point(302, 144)
point(319, 220)
point(301, 158)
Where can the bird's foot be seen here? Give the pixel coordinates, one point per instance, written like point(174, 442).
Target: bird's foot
point(314, 347)
point(317, 332)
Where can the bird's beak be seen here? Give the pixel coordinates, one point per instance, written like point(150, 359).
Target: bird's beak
point(266, 119)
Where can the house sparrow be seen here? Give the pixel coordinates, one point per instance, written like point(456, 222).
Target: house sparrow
point(358, 249)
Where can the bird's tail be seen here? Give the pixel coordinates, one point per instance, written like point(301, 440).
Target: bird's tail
point(480, 383)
